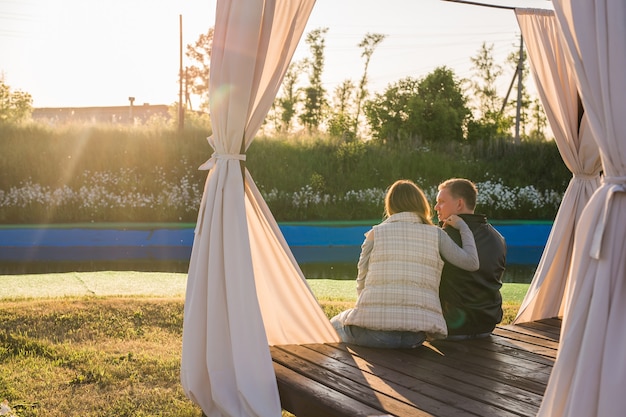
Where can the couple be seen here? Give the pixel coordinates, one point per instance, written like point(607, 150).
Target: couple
point(417, 281)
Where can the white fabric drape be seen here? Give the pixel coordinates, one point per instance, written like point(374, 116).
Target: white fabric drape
point(290, 312)
point(589, 376)
point(226, 366)
point(556, 85)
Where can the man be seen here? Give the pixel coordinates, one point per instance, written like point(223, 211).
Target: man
point(471, 301)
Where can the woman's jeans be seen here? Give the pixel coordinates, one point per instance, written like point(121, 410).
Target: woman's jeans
point(378, 338)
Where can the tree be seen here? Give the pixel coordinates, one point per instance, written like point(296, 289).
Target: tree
point(15, 106)
point(390, 114)
point(491, 121)
point(442, 107)
point(286, 104)
point(486, 73)
point(340, 123)
point(532, 115)
point(314, 94)
point(368, 45)
point(431, 109)
point(197, 75)
point(540, 121)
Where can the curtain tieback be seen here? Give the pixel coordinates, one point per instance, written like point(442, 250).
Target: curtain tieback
point(210, 163)
point(586, 177)
point(207, 166)
point(615, 185)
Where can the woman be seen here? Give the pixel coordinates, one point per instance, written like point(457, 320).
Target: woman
point(399, 272)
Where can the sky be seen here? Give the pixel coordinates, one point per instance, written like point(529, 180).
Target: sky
point(82, 53)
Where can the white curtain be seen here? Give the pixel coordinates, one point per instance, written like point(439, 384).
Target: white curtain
point(556, 85)
point(589, 376)
point(244, 289)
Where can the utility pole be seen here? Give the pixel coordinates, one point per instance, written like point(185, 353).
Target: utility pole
point(520, 87)
point(518, 73)
point(181, 110)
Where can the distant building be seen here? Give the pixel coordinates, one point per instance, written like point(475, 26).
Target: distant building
point(113, 115)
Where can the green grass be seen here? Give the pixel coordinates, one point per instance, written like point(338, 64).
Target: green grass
point(99, 284)
point(334, 295)
point(93, 357)
point(345, 290)
point(109, 343)
point(161, 284)
point(337, 295)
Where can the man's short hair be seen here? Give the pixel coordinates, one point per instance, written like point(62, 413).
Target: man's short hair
point(461, 188)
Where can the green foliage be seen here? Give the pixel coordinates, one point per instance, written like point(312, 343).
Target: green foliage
point(60, 156)
point(442, 106)
point(532, 162)
point(491, 122)
point(314, 94)
point(340, 125)
point(15, 106)
point(540, 121)
point(140, 174)
point(391, 114)
point(486, 72)
point(105, 164)
point(286, 104)
point(432, 109)
point(197, 75)
point(340, 120)
point(367, 45)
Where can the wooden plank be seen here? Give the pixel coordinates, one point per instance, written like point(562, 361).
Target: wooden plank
point(466, 365)
point(547, 339)
point(505, 359)
point(554, 322)
point(306, 398)
point(527, 342)
point(359, 390)
point(348, 367)
point(504, 375)
point(470, 380)
point(501, 345)
point(458, 403)
point(547, 328)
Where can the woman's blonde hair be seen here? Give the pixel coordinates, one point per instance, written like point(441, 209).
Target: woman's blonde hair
point(405, 195)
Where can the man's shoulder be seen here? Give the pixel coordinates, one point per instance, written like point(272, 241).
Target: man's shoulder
point(494, 232)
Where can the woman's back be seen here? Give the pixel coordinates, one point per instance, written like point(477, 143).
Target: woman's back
point(404, 269)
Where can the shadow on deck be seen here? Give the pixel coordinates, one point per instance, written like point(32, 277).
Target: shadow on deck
point(503, 375)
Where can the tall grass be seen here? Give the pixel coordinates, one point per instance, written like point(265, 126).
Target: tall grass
point(148, 174)
point(59, 156)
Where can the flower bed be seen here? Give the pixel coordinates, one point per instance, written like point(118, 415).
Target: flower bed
point(104, 197)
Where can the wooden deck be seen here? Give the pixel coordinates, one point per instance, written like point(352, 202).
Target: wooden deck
point(503, 375)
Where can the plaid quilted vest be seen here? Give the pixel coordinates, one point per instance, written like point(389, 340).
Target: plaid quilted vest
point(402, 282)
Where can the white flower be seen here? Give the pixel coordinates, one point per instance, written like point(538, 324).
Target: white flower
point(101, 192)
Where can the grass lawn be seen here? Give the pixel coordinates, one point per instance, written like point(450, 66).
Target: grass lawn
point(161, 284)
point(109, 343)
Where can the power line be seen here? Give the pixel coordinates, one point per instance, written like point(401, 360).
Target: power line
point(518, 73)
point(475, 3)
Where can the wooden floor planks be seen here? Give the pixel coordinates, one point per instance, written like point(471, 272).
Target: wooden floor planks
point(503, 375)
